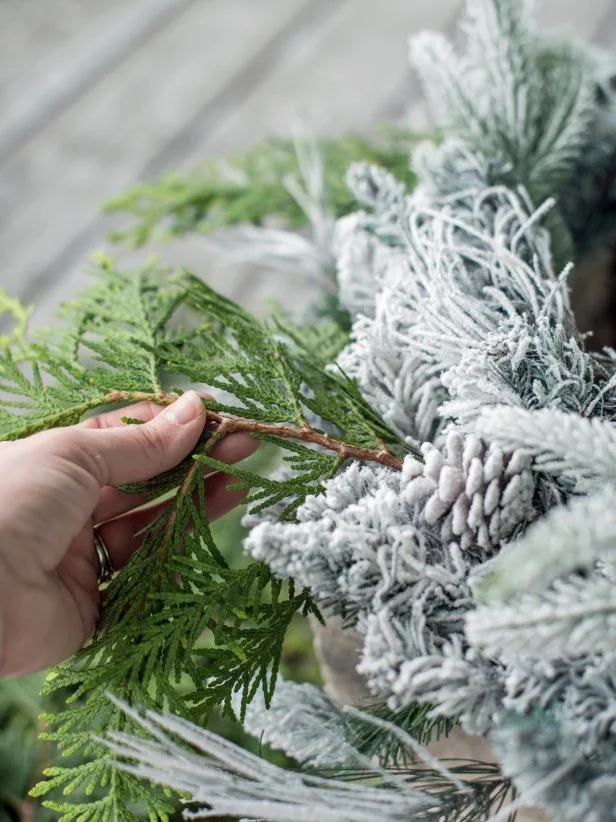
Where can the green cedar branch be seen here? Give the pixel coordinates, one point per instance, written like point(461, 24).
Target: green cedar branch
point(180, 628)
point(250, 188)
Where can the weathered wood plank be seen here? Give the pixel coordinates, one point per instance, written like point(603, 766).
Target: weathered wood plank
point(51, 189)
point(337, 72)
point(52, 58)
point(354, 36)
point(32, 34)
point(340, 82)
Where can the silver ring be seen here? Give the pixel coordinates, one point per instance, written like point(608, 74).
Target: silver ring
point(105, 568)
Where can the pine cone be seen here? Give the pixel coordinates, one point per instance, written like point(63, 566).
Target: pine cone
point(477, 494)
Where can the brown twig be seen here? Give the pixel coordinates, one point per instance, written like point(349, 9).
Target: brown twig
point(232, 425)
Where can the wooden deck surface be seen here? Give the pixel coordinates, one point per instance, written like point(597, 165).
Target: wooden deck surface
point(97, 94)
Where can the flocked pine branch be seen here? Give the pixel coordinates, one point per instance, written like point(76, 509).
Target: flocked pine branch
point(315, 730)
point(575, 616)
point(542, 754)
point(525, 103)
point(559, 443)
point(568, 538)
point(458, 297)
point(222, 779)
point(511, 95)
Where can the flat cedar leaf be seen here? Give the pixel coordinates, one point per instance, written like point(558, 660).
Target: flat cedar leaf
point(321, 341)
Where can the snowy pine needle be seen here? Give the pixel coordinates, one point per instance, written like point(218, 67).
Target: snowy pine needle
point(558, 443)
point(575, 616)
point(222, 779)
point(567, 538)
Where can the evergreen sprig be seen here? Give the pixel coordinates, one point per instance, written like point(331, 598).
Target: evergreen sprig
point(223, 780)
point(321, 341)
point(419, 721)
point(180, 629)
point(487, 794)
point(251, 187)
point(18, 316)
point(111, 342)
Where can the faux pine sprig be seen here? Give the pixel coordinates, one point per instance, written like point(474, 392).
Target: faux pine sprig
point(315, 730)
point(223, 780)
point(180, 629)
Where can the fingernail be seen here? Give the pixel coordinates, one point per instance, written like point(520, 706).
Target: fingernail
point(183, 410)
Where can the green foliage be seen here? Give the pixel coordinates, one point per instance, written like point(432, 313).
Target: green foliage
point(416, 720)
point(512, 95)
point(486, 790)
point(322, 341)
point(19, 316)
point(251, 187)
point(23, 754)
point(118, 325)
point(180, 628)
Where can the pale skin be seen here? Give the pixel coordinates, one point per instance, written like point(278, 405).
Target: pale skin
point(55, 487)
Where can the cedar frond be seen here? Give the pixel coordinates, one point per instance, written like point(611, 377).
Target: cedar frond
point(179, 628)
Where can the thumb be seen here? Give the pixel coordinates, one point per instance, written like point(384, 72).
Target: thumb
point(134, 453)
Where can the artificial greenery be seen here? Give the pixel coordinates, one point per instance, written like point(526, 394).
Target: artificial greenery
point(255, 186)
point(188, 645)
point(226, 781)
point(418, 721)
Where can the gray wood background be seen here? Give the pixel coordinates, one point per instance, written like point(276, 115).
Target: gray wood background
point(97, 94)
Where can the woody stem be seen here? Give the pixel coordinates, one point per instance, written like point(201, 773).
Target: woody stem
point(232, 425)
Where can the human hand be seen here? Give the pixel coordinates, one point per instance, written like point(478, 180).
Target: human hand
point(54, 488)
